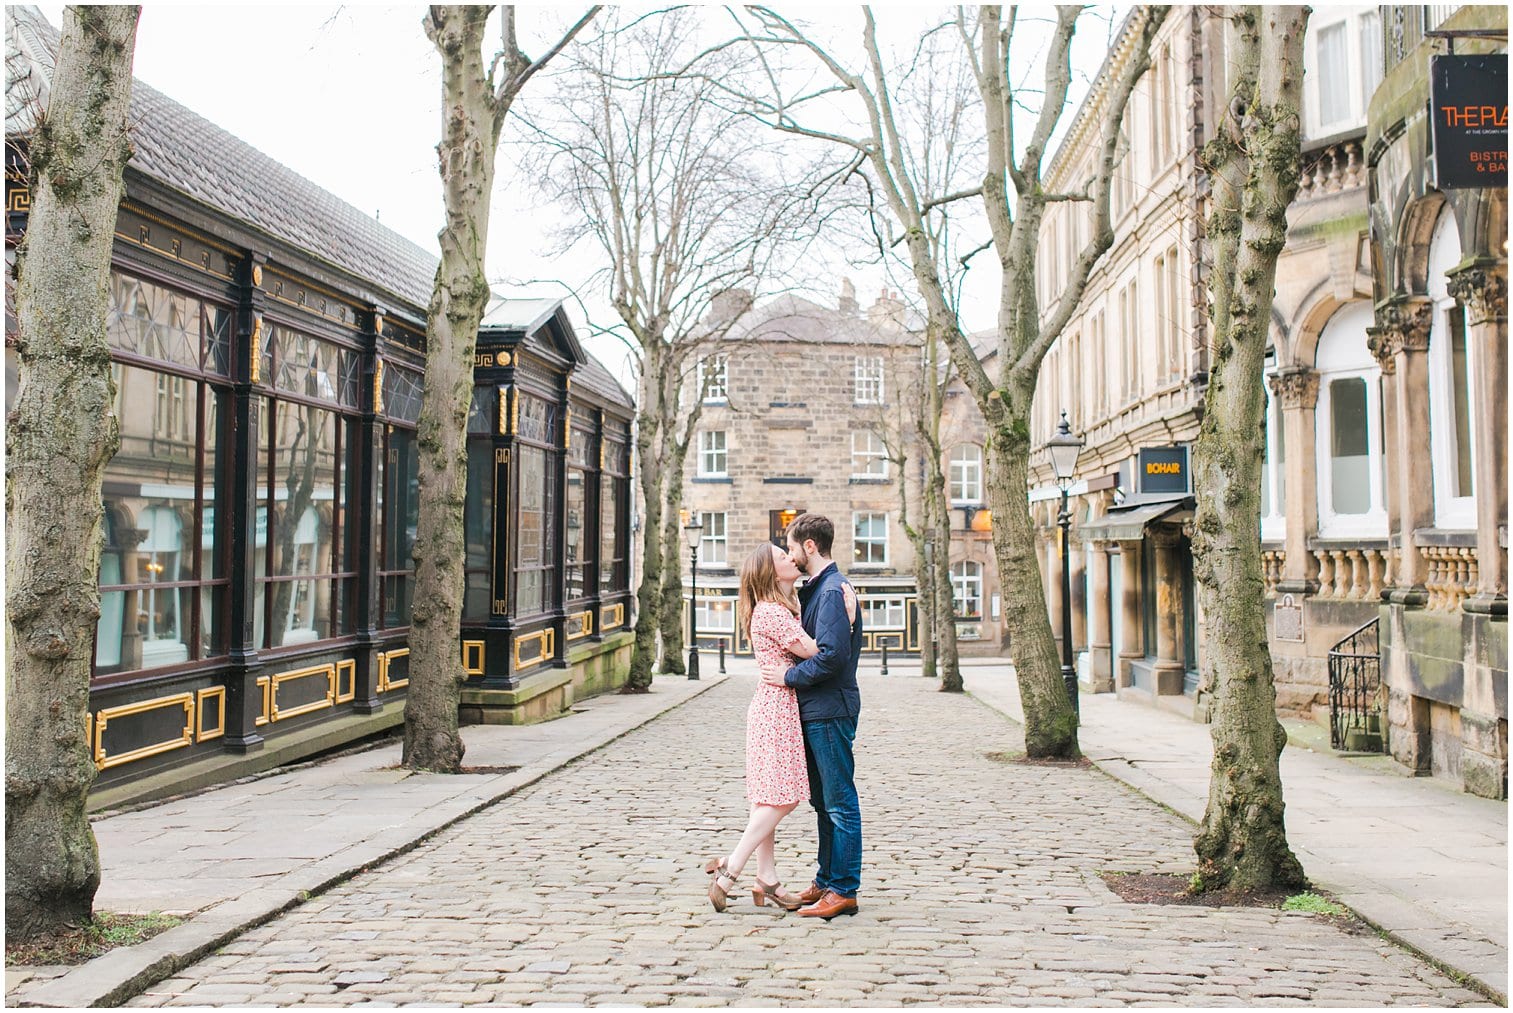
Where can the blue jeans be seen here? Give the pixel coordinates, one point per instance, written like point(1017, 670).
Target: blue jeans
point(832, 792)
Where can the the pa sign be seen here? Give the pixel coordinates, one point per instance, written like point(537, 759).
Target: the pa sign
point(1468, 105)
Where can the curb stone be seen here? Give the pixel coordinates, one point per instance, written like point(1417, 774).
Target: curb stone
point(123, 973)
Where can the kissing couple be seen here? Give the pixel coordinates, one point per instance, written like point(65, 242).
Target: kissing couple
point(801, 724)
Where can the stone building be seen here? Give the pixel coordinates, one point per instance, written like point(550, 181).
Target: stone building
point(1384, 483)
point(802, 403)
point(268, 347)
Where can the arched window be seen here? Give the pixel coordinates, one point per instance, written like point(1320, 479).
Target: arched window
point(966, 589)
point(1451, 386)
point(1349, 426)
point(966, 474)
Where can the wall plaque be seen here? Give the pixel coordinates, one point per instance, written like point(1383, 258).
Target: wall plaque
point(1287, 620)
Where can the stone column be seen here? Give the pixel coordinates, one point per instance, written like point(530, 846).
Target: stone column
point(1402, 332)
point(1297, 390)
point(1167, 586)
point(1079, 596)
point(1482, 286)
point(1130, 620)
point(1099, 623)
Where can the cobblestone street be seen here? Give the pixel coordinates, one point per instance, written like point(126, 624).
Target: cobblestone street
point(981, 886)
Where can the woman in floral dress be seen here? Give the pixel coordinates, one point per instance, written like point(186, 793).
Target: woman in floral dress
point(777, 777)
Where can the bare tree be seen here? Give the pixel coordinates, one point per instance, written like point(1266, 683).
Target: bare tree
point(1254, 161)
point(691, 214)
point(1014, 202)
point(60, 433)
point(475, 101)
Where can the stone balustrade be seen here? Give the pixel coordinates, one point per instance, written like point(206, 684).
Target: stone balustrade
point(1351, 574)
point(1272, 561)
point(1332, 169)
point(1452, 576)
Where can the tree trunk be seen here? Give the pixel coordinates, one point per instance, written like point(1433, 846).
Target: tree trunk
point(672, 578)
point(937, 509)
point(925, 602)
point(469, 140)
point(650, 473)
point(61, 432)
point(1242, 843)
point(1050, 729)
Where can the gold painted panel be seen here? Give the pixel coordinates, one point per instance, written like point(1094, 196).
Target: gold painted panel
point(218, 694)
point(346, 670)
point(617, 611)
point(105, 716)
point(472, 657)
point(326, 671)
point(580, 624)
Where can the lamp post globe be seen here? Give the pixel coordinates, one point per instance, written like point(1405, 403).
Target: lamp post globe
point(1064, 448)
point(693, 536)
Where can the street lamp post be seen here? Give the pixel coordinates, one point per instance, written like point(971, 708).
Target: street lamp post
point(1064, 448)
point(693, 535)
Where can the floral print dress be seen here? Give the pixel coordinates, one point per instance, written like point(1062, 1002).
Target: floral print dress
point(776, 771)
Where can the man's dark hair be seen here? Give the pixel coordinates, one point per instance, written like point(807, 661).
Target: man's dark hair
point(813, 527)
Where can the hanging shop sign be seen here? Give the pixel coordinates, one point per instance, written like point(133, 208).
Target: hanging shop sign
point(1163, 469)
point(1468, 103)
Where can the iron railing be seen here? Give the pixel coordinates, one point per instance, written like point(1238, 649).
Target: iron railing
point(1355, 692)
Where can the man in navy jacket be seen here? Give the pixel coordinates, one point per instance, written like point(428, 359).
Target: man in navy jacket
point(829, 705)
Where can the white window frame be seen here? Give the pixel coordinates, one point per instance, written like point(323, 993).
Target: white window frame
point(1344, 364)
point(1349, 19)
point(869, 455)
point(711, 456)
point(857, 541)
point(711, 621)
point(965, 576)
point(1274, 472)
point(1452, 511)
point(959, 466)
point(868, 379)
point(716, 370)
point(714, 548)
point(889, 605)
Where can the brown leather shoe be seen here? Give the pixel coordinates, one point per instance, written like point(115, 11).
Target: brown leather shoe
point(828, 906)
point(814, 893)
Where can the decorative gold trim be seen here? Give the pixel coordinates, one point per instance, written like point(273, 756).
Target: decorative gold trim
point(219, 693)
point(349, 668)
point(501, 607)
point(142, 212)
point(103, 718)
point(309, 286)
point(619, 612)
point(548, 639)
point(504, 358)
point(502, 455)
point(601, 453)
point(385, 683)
point(504, 401)
point(472, 668)
point(257, 349)
point(257, 274)
point(378, 385)
point(567, 429)
point(587, 615)
point(328, 670)
point(266, 685)
point(378, 323)
point(514, 412)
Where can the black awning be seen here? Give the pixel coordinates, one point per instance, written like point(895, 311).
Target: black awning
point(1127, 522)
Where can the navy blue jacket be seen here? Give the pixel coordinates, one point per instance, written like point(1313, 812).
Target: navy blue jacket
point(826, 683)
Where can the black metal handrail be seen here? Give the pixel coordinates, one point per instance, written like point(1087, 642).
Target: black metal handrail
point(1355, 692)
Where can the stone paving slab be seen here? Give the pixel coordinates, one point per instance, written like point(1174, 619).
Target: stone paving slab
point(235, 856)
point(1417, 858)
point(982, 886)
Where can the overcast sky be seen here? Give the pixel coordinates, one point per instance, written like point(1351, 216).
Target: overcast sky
point(348, 97)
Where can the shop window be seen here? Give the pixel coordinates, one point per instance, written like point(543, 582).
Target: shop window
point(1342, 59)
point(870, 539)
point(579, 542)
point(966, 474)
point(882, 613)
point(533, 531)
point(714, 615)
point(966, 589)
point(1350, 464)
point(614, 534)
point(398, 508)
point(161, 589)
point(1451, 382)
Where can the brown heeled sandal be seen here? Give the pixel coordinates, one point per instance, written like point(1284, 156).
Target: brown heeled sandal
point(763, 892)
point(719, 895)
